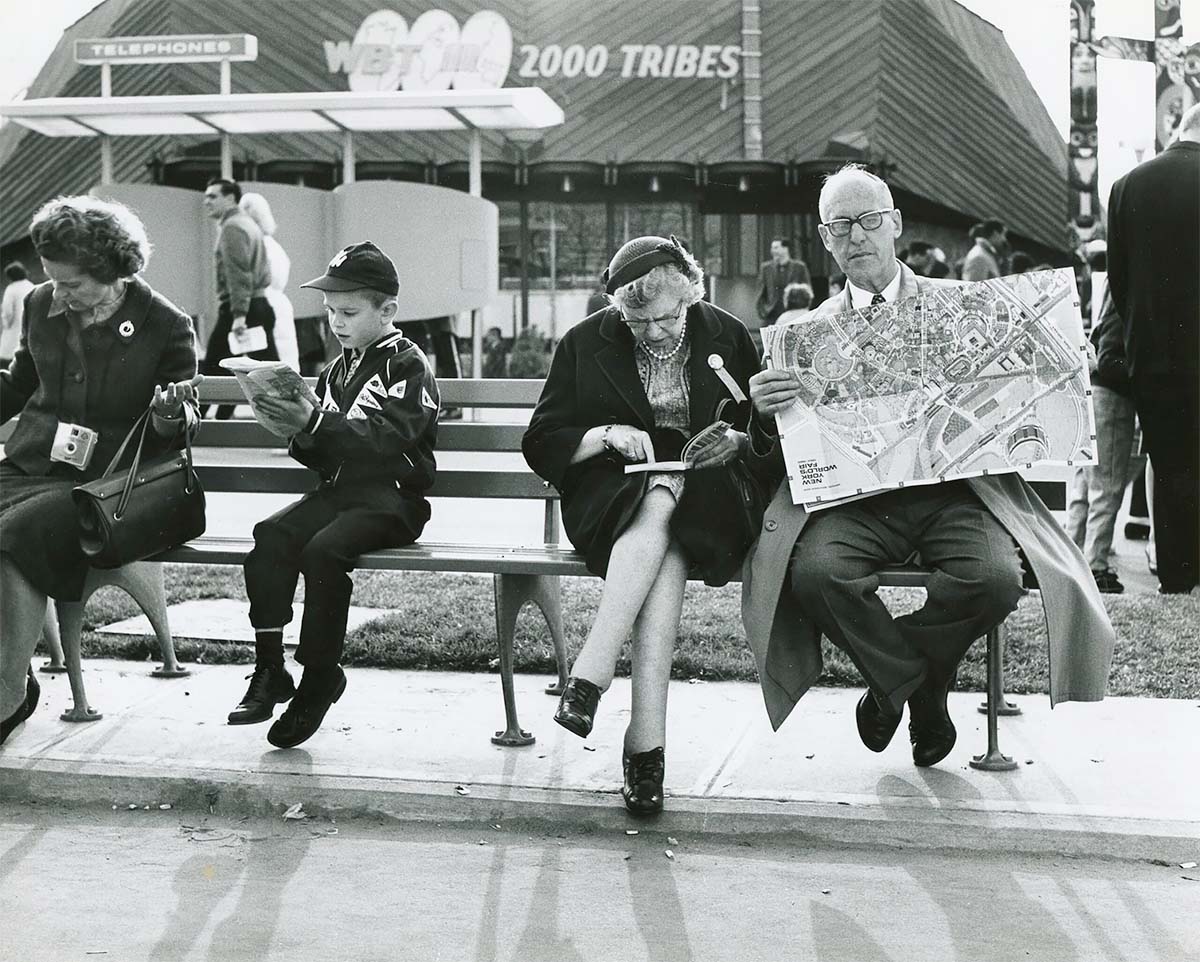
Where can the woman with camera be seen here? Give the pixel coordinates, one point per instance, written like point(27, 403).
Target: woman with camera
point(98, 346)
point(629, 385)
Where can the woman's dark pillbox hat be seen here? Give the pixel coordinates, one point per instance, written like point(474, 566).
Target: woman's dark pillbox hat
point(638, 257)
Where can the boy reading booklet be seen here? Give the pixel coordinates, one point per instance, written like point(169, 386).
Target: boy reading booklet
point(369, 432)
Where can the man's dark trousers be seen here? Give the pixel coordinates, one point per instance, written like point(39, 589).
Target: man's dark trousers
point(259, 314)
point(320, 536)
point(1170, 416)
point(976, 581)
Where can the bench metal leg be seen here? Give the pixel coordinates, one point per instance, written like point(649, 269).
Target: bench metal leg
point(52, 639)
point(143, 582)
point(512, 591)
point(1003, 705)
point(994, 760)
point(70, 625)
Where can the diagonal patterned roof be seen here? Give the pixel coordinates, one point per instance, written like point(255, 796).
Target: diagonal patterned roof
point(925, 81)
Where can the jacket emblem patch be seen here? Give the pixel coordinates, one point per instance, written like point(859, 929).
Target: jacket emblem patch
point(355, 412)
point(426, 400)
point(397, 390)
point(366, 399)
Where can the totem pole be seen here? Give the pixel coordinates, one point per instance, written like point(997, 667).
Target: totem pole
point(1177, 88)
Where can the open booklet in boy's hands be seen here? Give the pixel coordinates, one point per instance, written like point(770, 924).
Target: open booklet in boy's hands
point(273, 378)
point(699, 443)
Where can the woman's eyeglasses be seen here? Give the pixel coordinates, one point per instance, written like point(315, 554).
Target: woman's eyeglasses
point(667, 320)
point(871, 220)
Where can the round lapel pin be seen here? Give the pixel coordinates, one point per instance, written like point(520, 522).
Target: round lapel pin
point(126, 329)
point(716, 362)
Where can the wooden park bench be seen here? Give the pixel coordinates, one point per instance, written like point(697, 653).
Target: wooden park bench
point(242, 457)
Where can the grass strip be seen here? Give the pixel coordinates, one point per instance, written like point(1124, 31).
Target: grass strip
point(447, 623)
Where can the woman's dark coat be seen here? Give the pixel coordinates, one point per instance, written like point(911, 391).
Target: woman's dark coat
point(147, 342)
point(594, 381)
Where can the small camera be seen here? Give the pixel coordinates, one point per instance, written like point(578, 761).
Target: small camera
point(73, 445)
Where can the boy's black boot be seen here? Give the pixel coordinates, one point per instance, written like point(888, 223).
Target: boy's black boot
point(319, 688)
point(270, 685)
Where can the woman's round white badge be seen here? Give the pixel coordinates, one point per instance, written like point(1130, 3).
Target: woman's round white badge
point(126, 329)
point(716, 362)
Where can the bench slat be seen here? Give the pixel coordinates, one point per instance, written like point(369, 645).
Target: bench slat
point(426, 556)
point(452, 436)
point(437, 556)
point(274, 472)
point(458, 392)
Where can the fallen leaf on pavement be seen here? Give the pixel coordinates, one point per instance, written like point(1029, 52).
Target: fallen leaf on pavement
point(1187, 864)
point(675, 841)
point(826, 891)
point(462, 789)
point(588, 748)
point(296, 811)
point(669, 854)
point(631, 831)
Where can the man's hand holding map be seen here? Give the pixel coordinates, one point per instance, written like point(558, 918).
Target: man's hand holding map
point(272, 379)
point(957, 382)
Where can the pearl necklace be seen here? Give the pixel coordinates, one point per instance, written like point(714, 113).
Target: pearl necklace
point(670, 354)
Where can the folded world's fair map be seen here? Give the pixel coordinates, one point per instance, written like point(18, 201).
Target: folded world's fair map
point(957, 382)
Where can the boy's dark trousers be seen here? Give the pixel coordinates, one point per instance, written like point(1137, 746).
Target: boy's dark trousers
point(321, 536)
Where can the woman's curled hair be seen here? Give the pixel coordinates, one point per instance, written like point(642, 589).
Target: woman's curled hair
point(105, 239)
point(684, 281)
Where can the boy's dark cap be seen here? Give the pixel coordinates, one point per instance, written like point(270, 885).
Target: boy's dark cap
point(356, 267)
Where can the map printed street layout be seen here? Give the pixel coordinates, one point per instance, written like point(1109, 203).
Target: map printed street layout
point(957, 382)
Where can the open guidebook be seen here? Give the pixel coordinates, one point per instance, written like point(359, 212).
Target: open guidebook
point(273, 378)
point(702, 441)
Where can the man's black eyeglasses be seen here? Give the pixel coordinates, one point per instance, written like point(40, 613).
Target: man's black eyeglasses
point(871, 220)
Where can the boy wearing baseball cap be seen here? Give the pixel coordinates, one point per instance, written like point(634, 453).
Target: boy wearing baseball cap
point(371, 441)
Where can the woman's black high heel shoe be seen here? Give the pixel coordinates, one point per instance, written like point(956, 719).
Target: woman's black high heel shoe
point(577, 706)
point(643, 788)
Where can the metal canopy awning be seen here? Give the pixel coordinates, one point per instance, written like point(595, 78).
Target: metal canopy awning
point(514, 108)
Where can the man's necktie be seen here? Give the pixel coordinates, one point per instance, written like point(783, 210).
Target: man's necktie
point(877, 299)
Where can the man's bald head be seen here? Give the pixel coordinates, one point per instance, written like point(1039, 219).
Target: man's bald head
point(858, 175)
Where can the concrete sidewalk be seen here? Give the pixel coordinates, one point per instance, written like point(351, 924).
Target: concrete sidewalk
point(1115, 778)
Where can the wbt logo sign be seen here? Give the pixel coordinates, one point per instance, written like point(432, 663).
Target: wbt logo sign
point(434, 54)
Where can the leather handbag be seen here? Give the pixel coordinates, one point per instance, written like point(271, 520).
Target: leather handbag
point(125, 516)
point(719, 516)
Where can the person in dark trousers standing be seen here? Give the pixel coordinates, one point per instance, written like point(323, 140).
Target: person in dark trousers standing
point(372, 442)
point(1154, 276)
point(773, 278)
point(243, 278)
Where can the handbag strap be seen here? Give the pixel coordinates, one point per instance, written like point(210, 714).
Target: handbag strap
point(144, 420)
point(144, 417)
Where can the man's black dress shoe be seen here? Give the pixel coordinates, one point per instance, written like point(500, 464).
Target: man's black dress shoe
point(301, 719)
point(577, 707)
point(929, 726)
point(269, 686)
point(33, 691)
point(875, 726)
point(643, 788)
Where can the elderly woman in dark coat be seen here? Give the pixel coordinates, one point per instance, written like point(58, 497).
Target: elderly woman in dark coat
point(97, 347)
point(629, 384)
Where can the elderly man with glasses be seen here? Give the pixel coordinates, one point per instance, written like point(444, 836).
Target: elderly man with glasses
point(813, 575)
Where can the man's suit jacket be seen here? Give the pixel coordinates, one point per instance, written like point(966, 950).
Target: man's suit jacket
point(980, 264)
point(787, 646)
point(1154, 263)
point(771, 284)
